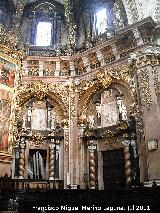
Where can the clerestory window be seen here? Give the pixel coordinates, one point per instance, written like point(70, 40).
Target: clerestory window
point(43, 37)
point(101, 23)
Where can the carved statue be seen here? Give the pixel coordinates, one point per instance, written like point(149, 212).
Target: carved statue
point(122, 109)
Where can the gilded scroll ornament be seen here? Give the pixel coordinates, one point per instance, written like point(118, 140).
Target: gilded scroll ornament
point(37, 139)
point(145, 89)
point(39, 90)
point(131, 5)
point(156, 82)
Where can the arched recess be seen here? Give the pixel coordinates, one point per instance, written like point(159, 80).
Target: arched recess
point(24, 97)
point(120, 85)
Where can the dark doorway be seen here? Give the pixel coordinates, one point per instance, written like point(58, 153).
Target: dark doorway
point(114, 169)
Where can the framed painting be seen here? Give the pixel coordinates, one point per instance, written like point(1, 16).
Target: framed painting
point(9, 63)
point(7, 72)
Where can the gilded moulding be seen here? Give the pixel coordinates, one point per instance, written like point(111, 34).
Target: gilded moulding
point(10, 55)
point(145, 88)
point(102, 79)
point(156, 82)
point(39, 90)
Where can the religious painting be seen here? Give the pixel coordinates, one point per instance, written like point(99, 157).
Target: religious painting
point(4, 131)
point(7, 72)
point(6, 96)
point(5, 103)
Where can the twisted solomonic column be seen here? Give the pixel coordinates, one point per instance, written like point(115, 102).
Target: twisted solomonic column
point(22, 160)
point(127, 166)
point(52, 162)
point(92, 171)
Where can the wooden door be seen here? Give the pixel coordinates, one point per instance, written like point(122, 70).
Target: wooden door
point(114, 169)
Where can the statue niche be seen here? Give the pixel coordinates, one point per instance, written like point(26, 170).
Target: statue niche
point(41, 115)
point(106, 108)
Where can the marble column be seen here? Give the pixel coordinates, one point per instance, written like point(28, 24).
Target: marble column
point(86, 63)
point(58, 68)
point(66, 157)
point(41, 64)
point(92, 170)
point(82, 160)
point(115, 51)
point(100, 57)
point(72, 68)
point(92, 165)
point(137, 36)
point(22, 159)
point(51, 161)
point(127, 166)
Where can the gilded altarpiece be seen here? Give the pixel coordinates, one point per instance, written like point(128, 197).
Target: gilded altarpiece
point(8, 67)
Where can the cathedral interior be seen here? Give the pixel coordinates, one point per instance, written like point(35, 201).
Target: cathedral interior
point(80, 94)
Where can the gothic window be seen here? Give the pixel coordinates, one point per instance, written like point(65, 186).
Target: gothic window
point(101, 21)
point(43, 37)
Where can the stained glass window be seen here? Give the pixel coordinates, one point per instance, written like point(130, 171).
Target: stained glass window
point(101, 21)
point(43, 34)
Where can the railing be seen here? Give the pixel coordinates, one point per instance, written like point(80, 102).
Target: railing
point(38, 184)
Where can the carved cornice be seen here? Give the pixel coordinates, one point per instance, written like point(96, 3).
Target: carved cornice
point(9, 54)
point(149, 55)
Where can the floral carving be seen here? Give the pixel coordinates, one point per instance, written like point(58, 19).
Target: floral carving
point(145, 89)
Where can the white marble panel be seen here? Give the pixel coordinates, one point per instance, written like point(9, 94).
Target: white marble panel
point(109, 114)
point(39, 119)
